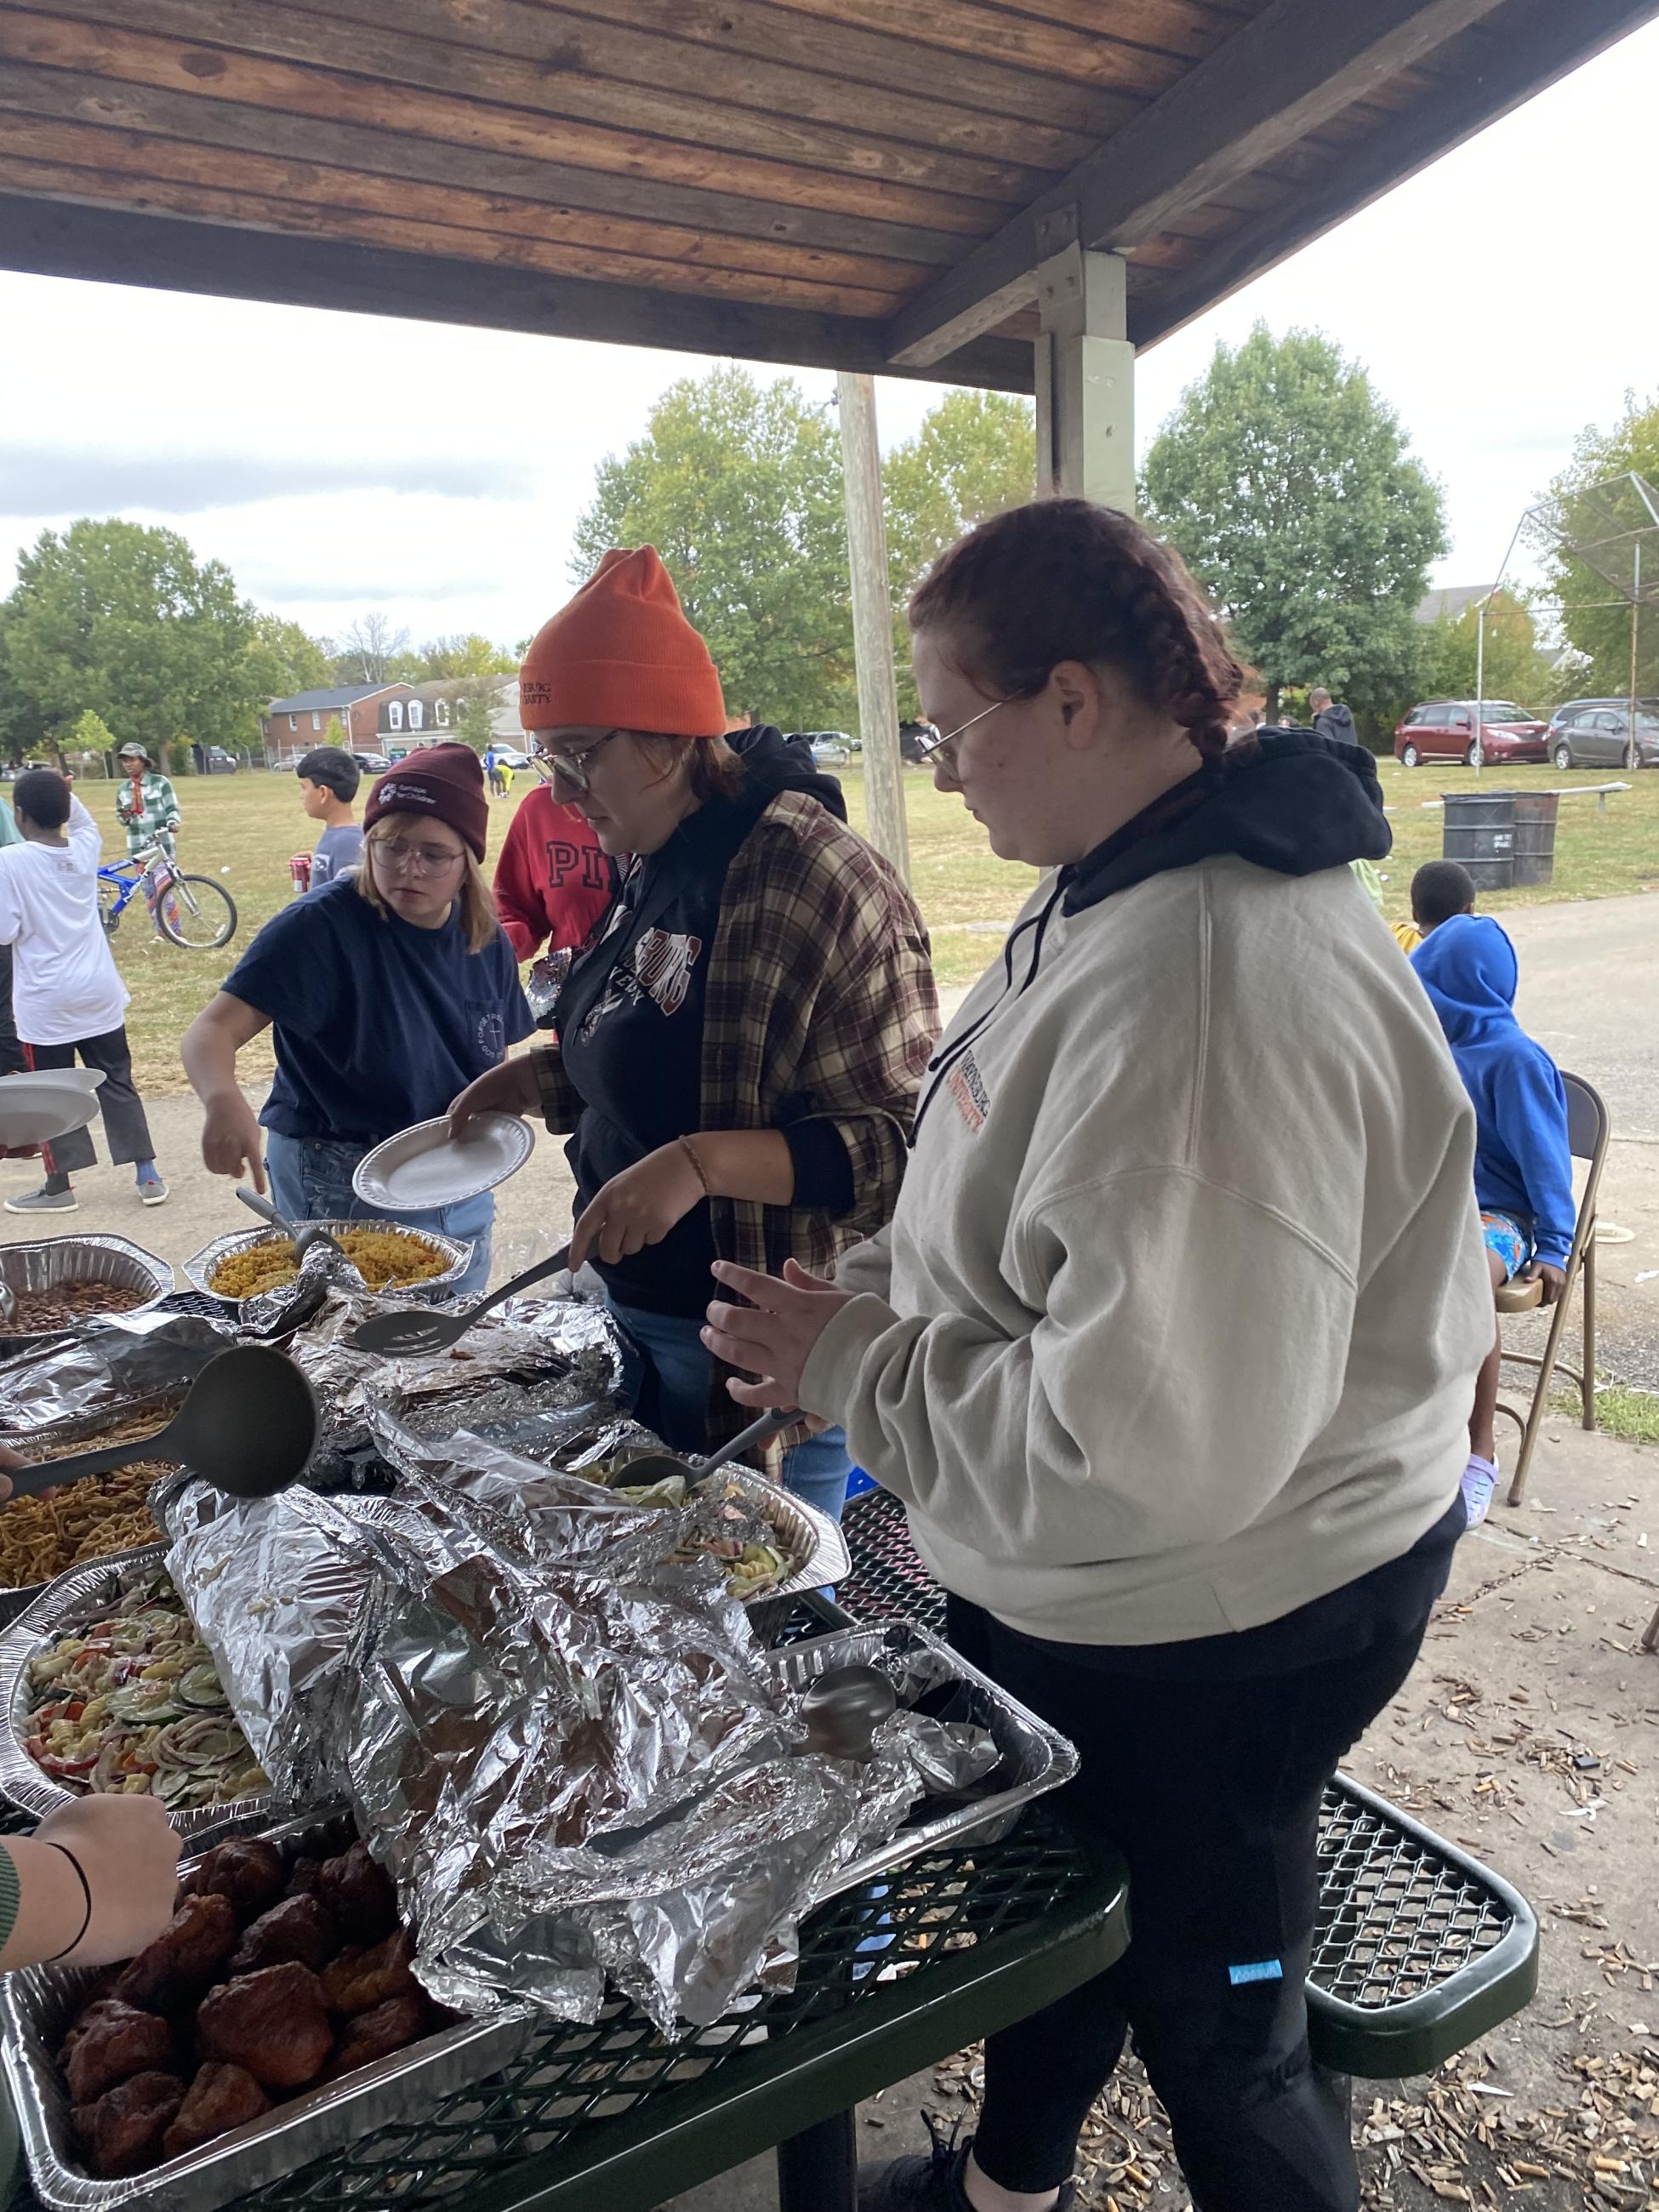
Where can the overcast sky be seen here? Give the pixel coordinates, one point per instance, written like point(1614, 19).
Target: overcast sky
point(340, 462)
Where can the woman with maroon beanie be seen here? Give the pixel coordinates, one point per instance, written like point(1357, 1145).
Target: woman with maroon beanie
point(385, 993)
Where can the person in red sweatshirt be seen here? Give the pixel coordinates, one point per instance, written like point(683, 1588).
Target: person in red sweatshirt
point(552, 880)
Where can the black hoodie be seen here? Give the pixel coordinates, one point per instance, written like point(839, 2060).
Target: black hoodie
point(1335, 721)
point(630, 1019)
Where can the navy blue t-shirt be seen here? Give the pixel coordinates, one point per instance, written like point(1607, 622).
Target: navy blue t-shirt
point(378, 1024)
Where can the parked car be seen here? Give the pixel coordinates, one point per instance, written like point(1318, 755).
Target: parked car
point(220, 762)
point(515, 761)
point(1444, 729)
point(372, 763)
point(830, 748)
point(1595, 733)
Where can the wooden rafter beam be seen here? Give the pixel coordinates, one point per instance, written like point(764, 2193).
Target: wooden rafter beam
point(61, 238)
point(1534, 43)
point(1285, 72)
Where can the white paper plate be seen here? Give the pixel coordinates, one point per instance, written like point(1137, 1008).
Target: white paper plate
point(36, 1107)
point(425, 1167)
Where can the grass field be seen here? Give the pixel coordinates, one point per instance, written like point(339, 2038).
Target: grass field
point(243, 828)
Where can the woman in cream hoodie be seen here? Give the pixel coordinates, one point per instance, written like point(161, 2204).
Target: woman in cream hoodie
point(1170, 1345)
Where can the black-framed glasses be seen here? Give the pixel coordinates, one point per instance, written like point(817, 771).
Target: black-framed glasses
point(569, 768)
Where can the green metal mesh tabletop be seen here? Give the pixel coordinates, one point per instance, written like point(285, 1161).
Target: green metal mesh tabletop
point(1419, 1948)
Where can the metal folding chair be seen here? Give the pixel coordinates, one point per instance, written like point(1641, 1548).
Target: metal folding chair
point(1587, 1135)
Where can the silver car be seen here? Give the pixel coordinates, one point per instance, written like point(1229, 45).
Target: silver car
point(1595, 733)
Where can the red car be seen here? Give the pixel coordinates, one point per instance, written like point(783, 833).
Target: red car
point(1444, 730)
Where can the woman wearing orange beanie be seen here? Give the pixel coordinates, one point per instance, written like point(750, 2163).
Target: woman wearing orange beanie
point(738, 1053)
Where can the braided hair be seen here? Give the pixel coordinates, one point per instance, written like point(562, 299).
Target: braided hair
point(1065, 580)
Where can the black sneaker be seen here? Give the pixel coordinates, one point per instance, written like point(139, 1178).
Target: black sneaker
point(933, 2184)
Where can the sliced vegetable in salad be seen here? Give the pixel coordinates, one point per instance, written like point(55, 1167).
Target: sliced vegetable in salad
point(735, 1532)
point(131, 1704)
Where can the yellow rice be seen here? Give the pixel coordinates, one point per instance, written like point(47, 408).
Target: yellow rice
point(382, 1256)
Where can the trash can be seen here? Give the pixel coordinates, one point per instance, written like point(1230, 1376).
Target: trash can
point(1534, 836)
point(1479, 832)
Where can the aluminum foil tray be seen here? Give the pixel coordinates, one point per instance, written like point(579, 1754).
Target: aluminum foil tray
point(66, 1437)
point(57, 1260)
point(1035, 1758)
point(74, 1597)
point(807, 1535)
point(37, 2004)
point(200, 1266)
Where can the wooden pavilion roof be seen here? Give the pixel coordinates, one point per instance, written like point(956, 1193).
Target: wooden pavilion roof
point(859, 184)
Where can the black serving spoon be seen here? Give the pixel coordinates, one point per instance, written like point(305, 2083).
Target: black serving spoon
point(248, 1426)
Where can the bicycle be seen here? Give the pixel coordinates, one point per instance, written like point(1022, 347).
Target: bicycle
point(192, 911)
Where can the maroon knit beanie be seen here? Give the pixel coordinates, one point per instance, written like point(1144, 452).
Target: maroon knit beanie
point(444, 781)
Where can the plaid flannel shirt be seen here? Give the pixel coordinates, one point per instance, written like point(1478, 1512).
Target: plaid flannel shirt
point(819, 1005)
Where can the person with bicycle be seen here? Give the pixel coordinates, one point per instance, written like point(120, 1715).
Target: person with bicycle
point(67, 998)
point(145, 804)
point(386, 992)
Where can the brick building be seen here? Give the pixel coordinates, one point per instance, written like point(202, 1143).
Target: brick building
point(293, 727)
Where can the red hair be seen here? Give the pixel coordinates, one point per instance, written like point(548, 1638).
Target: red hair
point(1065, 580)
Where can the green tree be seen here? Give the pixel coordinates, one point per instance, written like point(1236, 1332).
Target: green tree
point(285, 658)
point(88, 733)
point(974, 454)
point(1595, 612)
point(472, 655)
point(1288, 486)
point(737, 485)
point(1514, 665)
point(472, 713)
point(125, 620)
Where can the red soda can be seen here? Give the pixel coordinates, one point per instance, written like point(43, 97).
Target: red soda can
point(300, 868)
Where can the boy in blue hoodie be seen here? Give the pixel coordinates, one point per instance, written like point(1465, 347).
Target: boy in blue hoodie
point(1523, 1160)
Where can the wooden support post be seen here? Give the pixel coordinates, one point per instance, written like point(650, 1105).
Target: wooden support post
point(1085, 380)
point(872, 621)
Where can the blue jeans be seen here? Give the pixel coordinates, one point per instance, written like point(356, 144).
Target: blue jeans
point(311, 1181)
point(672, 1398)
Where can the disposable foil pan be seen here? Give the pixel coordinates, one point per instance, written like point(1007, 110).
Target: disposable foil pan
point(57, 1260)
point(73, 1598)
point(200, 1266)
point(64, 1437)
point(807, 1535)
point(37, 2004)
point(1035, 1757)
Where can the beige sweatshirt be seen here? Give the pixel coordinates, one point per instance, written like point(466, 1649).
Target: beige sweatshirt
point(1177, 1324)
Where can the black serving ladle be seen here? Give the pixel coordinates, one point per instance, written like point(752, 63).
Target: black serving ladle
point(248, 1426)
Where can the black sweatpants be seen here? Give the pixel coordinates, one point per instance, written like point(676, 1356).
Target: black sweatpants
point(1204, 1763)
point(125, 1130)
point(12, 1061)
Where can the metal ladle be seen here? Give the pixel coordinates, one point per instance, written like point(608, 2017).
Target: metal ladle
point(302, 1238)
point(248, 1426)
point(663, 1466)
point(395, 1334)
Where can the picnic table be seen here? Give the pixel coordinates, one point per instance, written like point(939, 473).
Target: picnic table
point(892, 1978)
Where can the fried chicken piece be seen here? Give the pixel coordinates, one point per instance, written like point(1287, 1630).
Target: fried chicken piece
point(298, 1928)
point(188, 1954)
point(247, 1870)
point(378, 2033)
point(123, 2131)
point(274, 2023)
point(220, 2098)
point(304, 1878)
point(110, 2042)
point(359, 1894)
point(360, 1980)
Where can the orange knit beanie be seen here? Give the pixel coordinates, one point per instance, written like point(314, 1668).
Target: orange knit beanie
point(623, 652)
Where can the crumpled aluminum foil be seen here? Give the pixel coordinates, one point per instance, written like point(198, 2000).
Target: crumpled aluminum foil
point(551, 1371)
point(566, 1746)
point(105, 1369)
